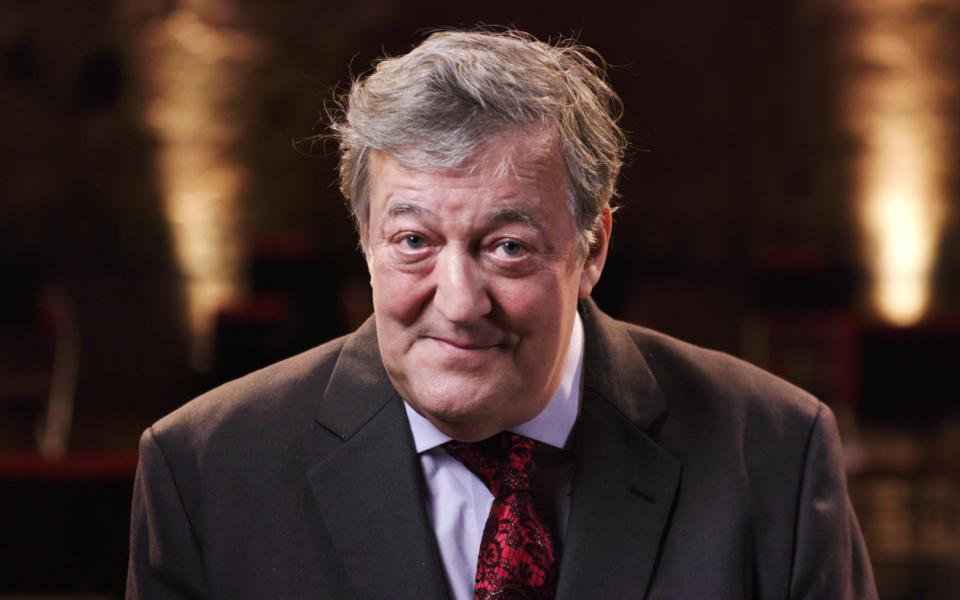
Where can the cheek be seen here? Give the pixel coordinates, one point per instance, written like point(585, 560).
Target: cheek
point(397, 295)
point(532, 305)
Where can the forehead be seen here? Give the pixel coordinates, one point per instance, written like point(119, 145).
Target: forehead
point(523, 166)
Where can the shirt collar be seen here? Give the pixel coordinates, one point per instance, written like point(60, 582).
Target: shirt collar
point(551, 426)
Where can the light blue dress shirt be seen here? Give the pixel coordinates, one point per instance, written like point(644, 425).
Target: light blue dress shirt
point(459, 502)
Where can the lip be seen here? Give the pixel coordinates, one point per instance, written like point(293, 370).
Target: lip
point(463, 345)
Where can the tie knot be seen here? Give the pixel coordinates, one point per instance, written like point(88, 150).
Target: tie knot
point(503, 462)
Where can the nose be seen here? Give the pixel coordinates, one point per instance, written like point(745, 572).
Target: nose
point(461, 294)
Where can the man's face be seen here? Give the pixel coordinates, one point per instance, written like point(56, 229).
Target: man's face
point(476, 275)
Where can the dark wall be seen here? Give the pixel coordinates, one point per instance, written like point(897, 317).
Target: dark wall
point(737, 228)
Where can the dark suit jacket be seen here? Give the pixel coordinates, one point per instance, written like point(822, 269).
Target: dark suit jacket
point(696, 476)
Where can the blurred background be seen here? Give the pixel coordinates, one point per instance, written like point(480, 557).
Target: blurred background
point(166, 225)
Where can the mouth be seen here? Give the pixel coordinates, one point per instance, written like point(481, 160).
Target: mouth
point(464, 345)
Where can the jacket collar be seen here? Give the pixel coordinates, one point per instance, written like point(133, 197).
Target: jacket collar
point(368, 485)
point(358, 388)
point(617, 371)
point(624, 483)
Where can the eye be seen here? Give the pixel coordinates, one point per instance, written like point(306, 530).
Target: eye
point(510, 249)
point(413, 241)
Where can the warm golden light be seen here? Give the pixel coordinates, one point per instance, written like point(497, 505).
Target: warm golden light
point(901, 216)
point(895, 109)
point(196, 72)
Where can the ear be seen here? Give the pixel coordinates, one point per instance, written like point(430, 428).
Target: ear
point(597, 254)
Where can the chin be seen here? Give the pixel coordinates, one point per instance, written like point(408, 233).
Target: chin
point(457, 408)
point(455, 405)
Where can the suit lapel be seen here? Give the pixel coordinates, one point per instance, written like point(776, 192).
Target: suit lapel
point(624, 484)
point(369, 487)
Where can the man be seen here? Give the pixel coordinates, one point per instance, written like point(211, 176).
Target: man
point(489, 432)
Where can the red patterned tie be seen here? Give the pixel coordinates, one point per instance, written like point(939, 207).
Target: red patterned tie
point(517, 555)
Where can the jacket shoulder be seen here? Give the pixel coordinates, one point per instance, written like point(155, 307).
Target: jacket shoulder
point(270, 399)
point(696, 378)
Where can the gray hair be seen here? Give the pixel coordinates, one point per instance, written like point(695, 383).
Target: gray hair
point(435, 107)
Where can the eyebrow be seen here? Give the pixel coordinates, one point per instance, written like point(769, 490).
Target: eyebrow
point(499, 216)
point(505, 215)
point(405, 208)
